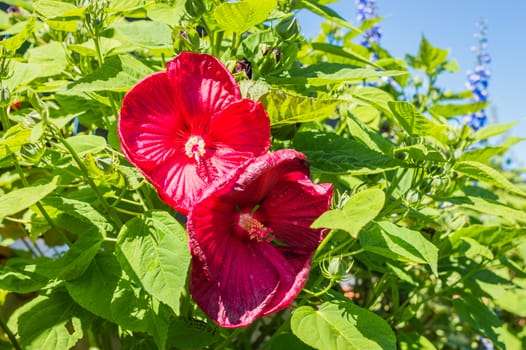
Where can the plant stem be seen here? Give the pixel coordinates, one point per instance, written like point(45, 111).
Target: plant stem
point(229, 338)
point(4, 119)
point(10, 335)
point(107, 208)
point(40, 206)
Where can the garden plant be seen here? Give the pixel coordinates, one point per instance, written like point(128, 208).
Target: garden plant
point(197, 174)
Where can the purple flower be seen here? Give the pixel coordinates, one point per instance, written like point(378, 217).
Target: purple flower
point(367, 11)
point(478, 80)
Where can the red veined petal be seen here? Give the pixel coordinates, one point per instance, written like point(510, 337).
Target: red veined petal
point(203, 87)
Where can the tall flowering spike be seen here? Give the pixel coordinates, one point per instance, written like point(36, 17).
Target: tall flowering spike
point(366, 10)
point(188, 126)
point(251, 239)
point(478, 79)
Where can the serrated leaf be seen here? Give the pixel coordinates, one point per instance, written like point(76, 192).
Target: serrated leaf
point(333, 154)
point(145, 34)
point(83, 144)
point(117, 73)
point(329, 14)
point(242, 15)
point(154, 248)
point(399, 243)
point(21, 278)
point(367, 136)
point(22, 198)
point(358, 211)
point(53, 9)
point(164, 13)
point(374, 97)
point(413, 122)
point(13, 43)
point(329, 74)
point(429, 58)
point(284, 108)
point(421, 152)
point(342, 52)
point(105, 290)
point(51, 57)
point(492, 130)
point(485, 173)
point(343, 326)
point(49, 322)
point(453, 110)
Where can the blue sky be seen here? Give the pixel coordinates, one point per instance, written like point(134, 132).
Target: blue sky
point(450, 24)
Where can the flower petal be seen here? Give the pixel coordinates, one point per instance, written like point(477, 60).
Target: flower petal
point(203, 87)
point(233, 278)
point(291, 207)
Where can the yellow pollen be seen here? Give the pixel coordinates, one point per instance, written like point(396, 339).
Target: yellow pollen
point(255, 229)
point(195, 147)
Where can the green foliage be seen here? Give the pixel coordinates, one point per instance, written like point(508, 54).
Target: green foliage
point(426, 235)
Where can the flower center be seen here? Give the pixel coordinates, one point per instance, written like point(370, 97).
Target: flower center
point(248, 225)
point(195, 147)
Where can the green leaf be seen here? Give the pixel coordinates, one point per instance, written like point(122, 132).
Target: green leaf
point(333, 154)
point(399, 243)
point(20, 199)
point(145, 34)
point(342, 52)
point(83, 144)
point(21, 279)
point(117, 73)
point(12, 141)
point(328, 74)
point(413, 122)
point(49, 322)
point(374, 97)
point(491, 236)
point(421, 153)
point(482, 319)
point(485, 173)
point(52, 58)
point(342, 325)
point(242, 15)
point(189, 334)
point(367, 136)
point(327, 13)
point(284, 108)
point(105, 290)
point(358, 211)
point(414, 341)
point(22, 74)
point(509, 214)
point(53, 9)
point(492, 130)
point(15, 42)
point(453, 110)
point(108, 47)
point(154, 248)
point(483, 154)
point(164, 13)
point(429, 58)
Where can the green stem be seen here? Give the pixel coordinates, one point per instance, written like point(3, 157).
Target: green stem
point(40, 206)
point(229, 338)
point(10, 335)
point(4, 119)
point(107, 208)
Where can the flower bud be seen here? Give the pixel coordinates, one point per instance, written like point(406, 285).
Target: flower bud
point(288, 29)
point(195, 8)
point(244, 65)
point(5, 97)
point(30, 153)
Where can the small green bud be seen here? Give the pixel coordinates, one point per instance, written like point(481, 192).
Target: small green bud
point(288, 29)
point(5, 97)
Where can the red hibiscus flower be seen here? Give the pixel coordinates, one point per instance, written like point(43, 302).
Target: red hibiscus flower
point(188, 126)
point(251, 239)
